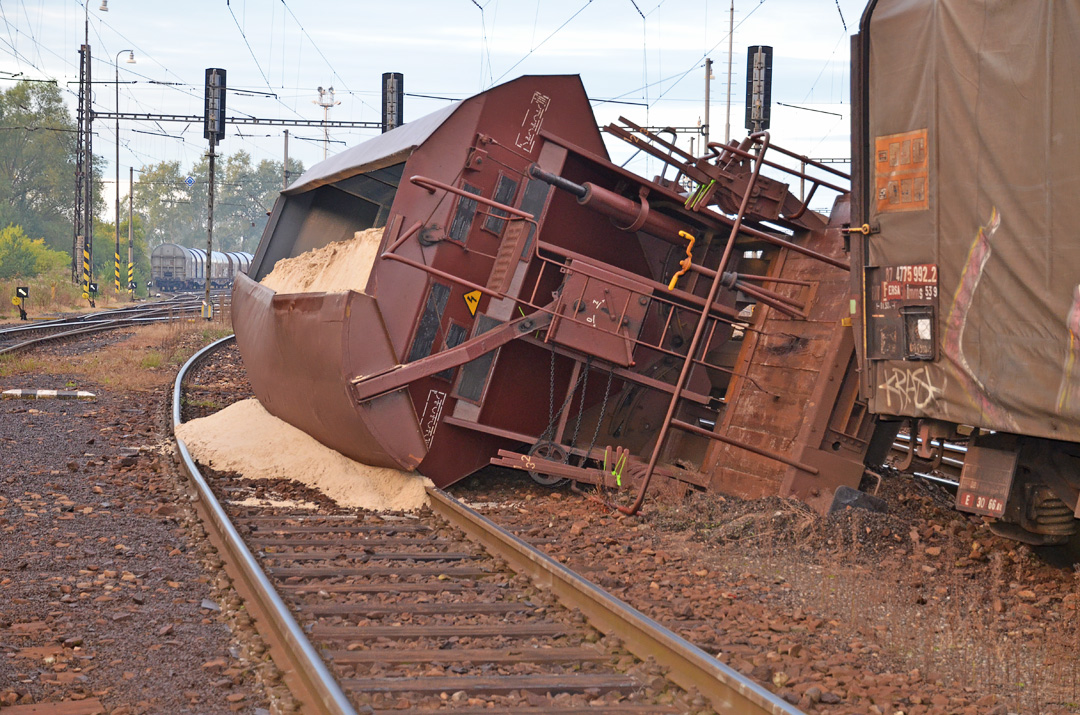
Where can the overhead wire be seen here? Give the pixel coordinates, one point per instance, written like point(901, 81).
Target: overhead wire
point(825, 66)
point(37, 45)
point(252, 53)
point(644, 66)
point(536, 47)
point(314, 44)
point(707, 53)
point(12, 46)
point(183, 87)
point(484, 46)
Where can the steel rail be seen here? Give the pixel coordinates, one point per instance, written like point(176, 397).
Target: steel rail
point(97, 317)
point(308, 676)
point(99, 328)
point(689, 666)
point(95, 323)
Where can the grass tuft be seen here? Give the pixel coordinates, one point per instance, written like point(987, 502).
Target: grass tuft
point(143, 361)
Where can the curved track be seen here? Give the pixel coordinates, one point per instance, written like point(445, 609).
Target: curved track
point(425, 611)
point(14, 338)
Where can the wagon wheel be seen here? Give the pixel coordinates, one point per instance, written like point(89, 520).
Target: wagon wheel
point(552, 452)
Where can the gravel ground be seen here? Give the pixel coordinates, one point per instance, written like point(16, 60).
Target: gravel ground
point(921, 610)
point(110, 593)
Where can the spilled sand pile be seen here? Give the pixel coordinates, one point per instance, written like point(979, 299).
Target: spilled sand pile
point(336, 267)
point(245, 438)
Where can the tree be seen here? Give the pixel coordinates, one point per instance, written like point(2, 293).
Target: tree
point(23, 257)
point(37, 163)
point(244, 195)
point(167, 206)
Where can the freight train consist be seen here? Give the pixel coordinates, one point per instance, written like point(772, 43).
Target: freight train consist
point(537, 306)
point(174, 267)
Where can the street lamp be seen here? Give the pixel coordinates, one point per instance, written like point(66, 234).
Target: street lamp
point(116, 63)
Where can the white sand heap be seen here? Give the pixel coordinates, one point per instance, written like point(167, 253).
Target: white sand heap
point(245, 438)
point(336, 267)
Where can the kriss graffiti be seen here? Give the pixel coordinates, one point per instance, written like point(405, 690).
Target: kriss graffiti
point(913, 387)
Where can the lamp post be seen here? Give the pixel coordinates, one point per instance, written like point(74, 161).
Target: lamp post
point(116, 63)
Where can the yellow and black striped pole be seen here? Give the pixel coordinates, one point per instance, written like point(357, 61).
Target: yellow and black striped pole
point(117, 267)
point(86, 273)
point(131, 278)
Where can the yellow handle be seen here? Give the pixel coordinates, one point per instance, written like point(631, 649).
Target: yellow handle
point(685, 263)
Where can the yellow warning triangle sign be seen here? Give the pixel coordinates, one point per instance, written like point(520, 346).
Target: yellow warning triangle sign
point(472, 299)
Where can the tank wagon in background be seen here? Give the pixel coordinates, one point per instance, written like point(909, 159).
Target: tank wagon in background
point(537, 306)
point(175, 268)
point(966, 170)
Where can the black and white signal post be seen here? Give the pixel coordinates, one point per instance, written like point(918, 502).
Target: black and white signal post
point(214, 131)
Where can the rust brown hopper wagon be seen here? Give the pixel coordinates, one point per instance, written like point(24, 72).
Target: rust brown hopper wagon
point(535, 305)
point(966, 173)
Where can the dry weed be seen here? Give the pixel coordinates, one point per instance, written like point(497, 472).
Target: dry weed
point(51, 294)
point(145, 360)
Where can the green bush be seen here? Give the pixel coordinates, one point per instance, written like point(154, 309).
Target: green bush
point(23, 257)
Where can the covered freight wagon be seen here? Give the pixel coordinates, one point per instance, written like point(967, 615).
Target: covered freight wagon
point(175, 267)
point(966, 172)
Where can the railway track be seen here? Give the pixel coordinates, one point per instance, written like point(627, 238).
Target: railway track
point(445, 610)
point(21, 337)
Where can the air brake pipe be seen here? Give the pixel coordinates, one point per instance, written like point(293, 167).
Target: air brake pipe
point(773, 279)
point(558, 182)
point(734, 280)
point(741, 279)
point(781, 303)
point(684, 263)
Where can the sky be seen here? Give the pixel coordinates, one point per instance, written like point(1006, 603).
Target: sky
point(643, 59)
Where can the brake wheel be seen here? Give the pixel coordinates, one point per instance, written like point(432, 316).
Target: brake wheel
point(553, 453)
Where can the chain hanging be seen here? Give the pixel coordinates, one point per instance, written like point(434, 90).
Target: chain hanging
point(551, 396)
point(603, 409)
point(581, 403)
point(553, 416)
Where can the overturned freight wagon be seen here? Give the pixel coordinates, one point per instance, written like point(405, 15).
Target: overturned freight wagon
point(966, 172)
point(535, 305)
